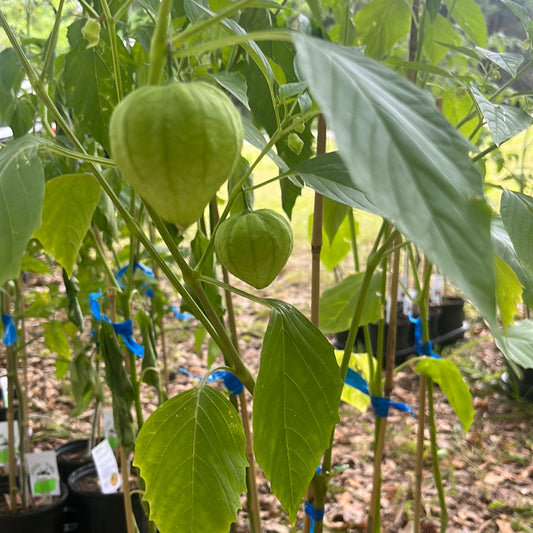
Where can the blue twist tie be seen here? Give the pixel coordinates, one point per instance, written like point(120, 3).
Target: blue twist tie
point(231, 381)
point(380, 405)
point(124, 329)
point(179, 315)
point(10, 334)
point(316, 515)
point(425, 348)
point(144, 269)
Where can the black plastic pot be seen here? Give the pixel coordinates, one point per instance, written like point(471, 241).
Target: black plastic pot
point(101, 513)
point(68, 459)
point(49, 519)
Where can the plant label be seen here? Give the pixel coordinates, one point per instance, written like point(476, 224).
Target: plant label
point(4, 449)
point(437, 283)
point(3, 389)
point(43, 472)
point(106, 467)
point(109, 427)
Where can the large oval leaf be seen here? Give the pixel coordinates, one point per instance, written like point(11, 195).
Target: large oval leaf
point(69, 203)
point(21, 200)
point(409, 162)
point(191, 454)
point(296, 400)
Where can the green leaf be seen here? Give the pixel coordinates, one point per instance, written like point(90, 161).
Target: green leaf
point(191, 454)
point(508, 293)
point(328, 175)
point(21, 199)
point(517, 215)
point(506, 61)
point(337, 303)
point(469, 17)
point(516, 344)
point(90, 86)
point(523, 14)
point(504, 248)
point(235, 83)
point(334, 213)
point(350, 395)
point(56, 339)
point(392, 17)
point(504, 121)
point(413, 167)
point(69, 203)
point(446, 374)
point(436, 32)
point(333, 252)
point(298, 386)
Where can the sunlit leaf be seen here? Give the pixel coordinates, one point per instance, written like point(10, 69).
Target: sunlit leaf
point(413, 167)
point(447, 375)
point(350, 395)
point(298, 386)
point(504, 248)
point(69, 203)
point(508, 293)
point(191, 455)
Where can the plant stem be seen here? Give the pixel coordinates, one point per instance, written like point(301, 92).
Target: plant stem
point(159, 43)
point(419, 467)
point(52, 41)
point(316, 492)
point(124, 468)
point(437, 476)
point(113, 47)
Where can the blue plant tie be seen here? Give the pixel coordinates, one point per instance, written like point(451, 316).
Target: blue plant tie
point(179, 315)
point(10, 334)
point(231, 381)
point(380, 405)
point(144, 269)
point(422, 348)
point(124, 329)
point(316, 515)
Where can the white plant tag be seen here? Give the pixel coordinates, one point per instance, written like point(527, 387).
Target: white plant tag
point(109, 427)
point(4, 450)
point(44, 476)
point(437, 283)
point(106, 467)
point(3, 388)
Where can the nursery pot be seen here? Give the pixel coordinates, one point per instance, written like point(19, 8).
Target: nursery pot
point(97, 512)
point(71, 455)
point(449, 320)
point(46, 519)
point(519, 384)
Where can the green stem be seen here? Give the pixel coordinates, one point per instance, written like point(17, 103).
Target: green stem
point(110, 21)
point(282, 36)
point(52, 41)
point(159, 43)
point(353, 238)
point(437, 476)
point(202, 25)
